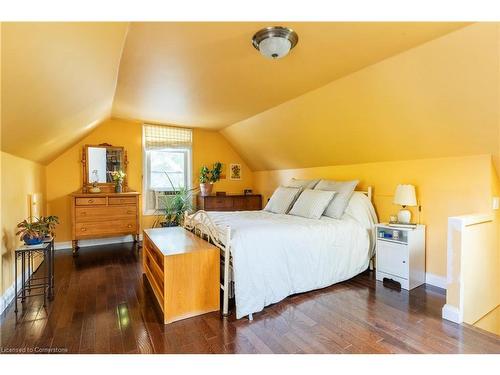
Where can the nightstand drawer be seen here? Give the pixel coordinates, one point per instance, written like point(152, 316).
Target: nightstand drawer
point(392, 258)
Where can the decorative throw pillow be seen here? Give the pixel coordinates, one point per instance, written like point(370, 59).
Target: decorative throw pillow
point(344, 190)
point(303, 184)
point(312, 203)
point(282, 199)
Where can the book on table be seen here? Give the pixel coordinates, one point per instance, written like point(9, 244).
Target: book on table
point(403, 225)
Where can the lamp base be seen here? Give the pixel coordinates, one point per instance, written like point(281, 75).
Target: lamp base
point(404, 216)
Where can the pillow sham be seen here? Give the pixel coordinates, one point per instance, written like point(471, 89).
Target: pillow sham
point(304, 184)
point(282, 199)
point(344, 190)
point(312, 203)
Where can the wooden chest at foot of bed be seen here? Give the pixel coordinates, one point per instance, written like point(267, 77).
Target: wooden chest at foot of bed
point(183, 272)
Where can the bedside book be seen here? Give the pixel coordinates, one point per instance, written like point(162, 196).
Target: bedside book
point(403, 225)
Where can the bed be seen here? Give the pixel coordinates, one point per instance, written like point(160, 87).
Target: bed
point(268, 256)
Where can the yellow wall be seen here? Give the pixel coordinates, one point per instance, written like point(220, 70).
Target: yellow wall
point(439, 99)
point(64, 173)
point(20, 178)
point(445, 187)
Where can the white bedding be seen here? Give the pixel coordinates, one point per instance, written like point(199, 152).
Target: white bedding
point(276, 255)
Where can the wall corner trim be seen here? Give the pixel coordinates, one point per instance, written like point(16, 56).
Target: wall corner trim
point(452, 314)
point(435, 280)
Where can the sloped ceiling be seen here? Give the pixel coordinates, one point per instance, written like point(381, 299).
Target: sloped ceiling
point(59, 80)
point(209, 75)
point(439, 99)
point(58, 83)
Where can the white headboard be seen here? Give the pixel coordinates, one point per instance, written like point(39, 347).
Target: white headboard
point(368, 192)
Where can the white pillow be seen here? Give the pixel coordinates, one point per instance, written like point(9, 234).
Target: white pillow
point(304, 184)
point(344, 190)
point(312, 203)
point(282, 199)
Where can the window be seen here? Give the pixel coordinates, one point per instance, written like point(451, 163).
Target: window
point(167, 162)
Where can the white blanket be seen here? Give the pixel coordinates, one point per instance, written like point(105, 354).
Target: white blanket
point(277, 255)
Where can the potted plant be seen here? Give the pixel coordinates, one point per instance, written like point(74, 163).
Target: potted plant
point(31, 232)
point(48, 225)
point(209, 177)
point(175, 205)
point(118, 177)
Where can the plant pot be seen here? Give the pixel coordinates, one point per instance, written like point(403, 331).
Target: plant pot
point(206, 188)
point(165, 224)
point(32, 240)
point(118, 188)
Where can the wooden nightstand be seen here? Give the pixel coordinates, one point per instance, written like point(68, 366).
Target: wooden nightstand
point(400, 255)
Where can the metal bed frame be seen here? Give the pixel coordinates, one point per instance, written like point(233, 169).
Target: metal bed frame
point(202, 226)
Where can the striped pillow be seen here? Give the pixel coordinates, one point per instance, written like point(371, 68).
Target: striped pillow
point(312, 203)
point(282, 199)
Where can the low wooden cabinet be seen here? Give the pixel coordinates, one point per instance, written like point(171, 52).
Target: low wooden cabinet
point(104, 215)
point(183, 271)
point(251, 202)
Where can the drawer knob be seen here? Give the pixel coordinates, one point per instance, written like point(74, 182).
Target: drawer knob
point(404, 261)
point(91, 201)
point(84, 229)
point(129, 226)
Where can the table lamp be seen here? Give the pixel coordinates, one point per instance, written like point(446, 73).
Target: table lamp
point(405, 196)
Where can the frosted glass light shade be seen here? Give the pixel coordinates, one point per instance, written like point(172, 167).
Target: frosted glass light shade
point(275, 47)
point(405, 195)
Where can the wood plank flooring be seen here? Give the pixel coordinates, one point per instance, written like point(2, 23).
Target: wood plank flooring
point(103, 305)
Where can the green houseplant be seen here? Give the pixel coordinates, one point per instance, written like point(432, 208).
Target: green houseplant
point(30, 232)
point(175, 204)
point(209, 176)
point(33, 232)
point(48, 224)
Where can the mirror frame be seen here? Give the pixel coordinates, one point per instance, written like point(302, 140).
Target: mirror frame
point(106, 186)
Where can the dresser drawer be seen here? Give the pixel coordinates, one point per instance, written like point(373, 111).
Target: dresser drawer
point(218, 203)
point(121, 200)
point(90, 201)
point(105, 228)
point(392, 258)
point(92, 214)
point(253, 203)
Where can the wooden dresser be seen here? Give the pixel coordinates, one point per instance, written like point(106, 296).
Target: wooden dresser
point(104, 215)
point(183, 271)
point(251, 202)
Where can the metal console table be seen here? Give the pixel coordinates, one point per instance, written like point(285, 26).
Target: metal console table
point(29, 282)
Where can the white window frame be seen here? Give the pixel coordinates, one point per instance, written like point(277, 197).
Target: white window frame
point(146, 177)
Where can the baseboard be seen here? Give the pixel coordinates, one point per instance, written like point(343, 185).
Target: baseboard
point(96, 242)
point(452, 314)
point(8, 295)
point(435, 280)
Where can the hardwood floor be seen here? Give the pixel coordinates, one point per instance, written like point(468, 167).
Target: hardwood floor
point(102, 305)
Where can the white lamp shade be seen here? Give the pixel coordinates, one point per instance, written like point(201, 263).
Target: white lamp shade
point(405, 195)
point(275, 47)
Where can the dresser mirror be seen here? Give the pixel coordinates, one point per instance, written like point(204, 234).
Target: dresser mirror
point(99, 161)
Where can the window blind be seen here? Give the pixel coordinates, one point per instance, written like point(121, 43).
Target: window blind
point(161, 136)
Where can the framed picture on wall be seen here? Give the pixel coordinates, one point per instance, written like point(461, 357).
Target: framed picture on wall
point(235, 171)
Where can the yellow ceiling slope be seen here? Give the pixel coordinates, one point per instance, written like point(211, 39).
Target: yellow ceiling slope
point(438, 99)
point(209, 75)
point(58, 82)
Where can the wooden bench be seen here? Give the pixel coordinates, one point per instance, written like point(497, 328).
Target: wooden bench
point(183, 271)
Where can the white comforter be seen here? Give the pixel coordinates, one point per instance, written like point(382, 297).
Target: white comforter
point(276, 255)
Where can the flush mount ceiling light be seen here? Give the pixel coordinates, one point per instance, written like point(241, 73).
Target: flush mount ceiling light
point(275, 42)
